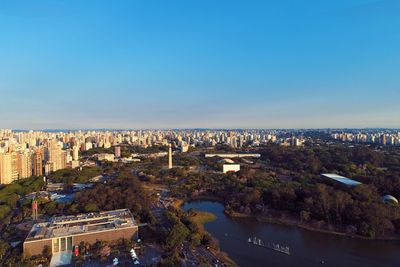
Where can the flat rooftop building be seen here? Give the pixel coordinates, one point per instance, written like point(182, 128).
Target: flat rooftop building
point(230, 168)
point(60, 234)
point(235, 155)
point(340, 179)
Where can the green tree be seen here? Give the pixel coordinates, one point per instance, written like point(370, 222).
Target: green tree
point(90, 207)
point(176, 236)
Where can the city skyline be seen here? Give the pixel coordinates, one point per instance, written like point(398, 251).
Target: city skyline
point(33, 153)
point(199, 133)
point(199, 65)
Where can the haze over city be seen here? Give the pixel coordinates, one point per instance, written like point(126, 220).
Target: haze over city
point(214, 64)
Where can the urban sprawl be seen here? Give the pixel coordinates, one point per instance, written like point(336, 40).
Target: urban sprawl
point(35, 153)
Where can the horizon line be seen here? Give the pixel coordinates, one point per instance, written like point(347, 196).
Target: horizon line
point(202, 128)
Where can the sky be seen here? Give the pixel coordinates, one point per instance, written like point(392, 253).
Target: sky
point(199, 64)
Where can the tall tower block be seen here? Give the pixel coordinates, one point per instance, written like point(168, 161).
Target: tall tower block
point(169, 156)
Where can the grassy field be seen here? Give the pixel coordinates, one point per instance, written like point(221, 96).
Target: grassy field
point(177, 203)
point(202, 217)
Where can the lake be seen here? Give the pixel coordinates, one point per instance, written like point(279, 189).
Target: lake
point(307, 248)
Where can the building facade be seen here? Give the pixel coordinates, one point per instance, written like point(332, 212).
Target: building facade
point(61, 234)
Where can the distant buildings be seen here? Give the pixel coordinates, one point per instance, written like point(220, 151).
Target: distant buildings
point(295, 141)
point(25, 153)
point(22, 156)
point(384, 138)
point(105, 156)
point(16, 165)
point(184, 147)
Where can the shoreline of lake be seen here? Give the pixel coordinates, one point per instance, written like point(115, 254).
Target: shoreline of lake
point(286, 221)
point(308, 227)
point(308, 248)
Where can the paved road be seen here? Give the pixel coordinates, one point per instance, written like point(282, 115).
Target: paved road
point(191, 257)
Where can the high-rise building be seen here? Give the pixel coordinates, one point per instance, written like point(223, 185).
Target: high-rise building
point(5, 168)
point(64, 159)
point(24, 164)
point(37, 163)
point(117, 151)
point(14, 166)
point(75, 153)
point(184, 147)
point(55, 159)
point(383, 139)
point(139, 137)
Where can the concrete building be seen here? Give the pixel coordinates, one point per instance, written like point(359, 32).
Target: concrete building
point(117, 151)
point(55, 157)
point(5, 168)
point(24, 165)
point(184, 147)
point(60, 234)
point(37, 163)
point(75, 153)
point(75, 164)
point(230, 168)
point(105, 156)
point(233, 155)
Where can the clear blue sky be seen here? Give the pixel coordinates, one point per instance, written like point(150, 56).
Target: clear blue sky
point(208, 63)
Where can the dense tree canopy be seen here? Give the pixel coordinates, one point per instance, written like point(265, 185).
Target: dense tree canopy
point(306, 195)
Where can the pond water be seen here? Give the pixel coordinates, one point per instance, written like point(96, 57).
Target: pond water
point(307, 248)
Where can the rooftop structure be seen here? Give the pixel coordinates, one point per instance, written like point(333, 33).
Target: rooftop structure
point(230, 168)
point(229, 161)
point(389, 199)
point(61, 233)
point(82, 223)
point(105, 156)
point(234, 155)
point(341, 179)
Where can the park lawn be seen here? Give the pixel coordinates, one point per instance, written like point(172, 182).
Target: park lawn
point(202, 217)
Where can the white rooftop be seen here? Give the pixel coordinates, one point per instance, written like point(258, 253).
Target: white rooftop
point(341, 179)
